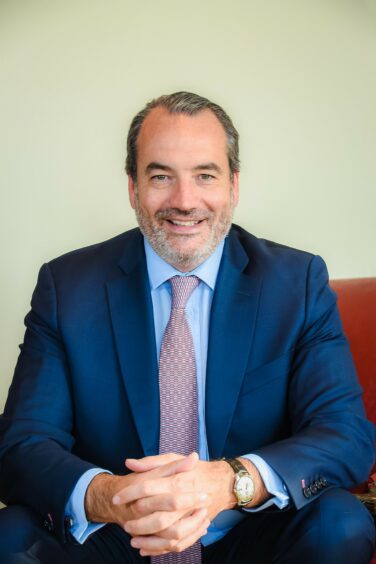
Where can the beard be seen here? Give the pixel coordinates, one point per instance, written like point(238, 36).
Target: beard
point(184, 260)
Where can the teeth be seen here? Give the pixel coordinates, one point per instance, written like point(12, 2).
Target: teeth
point(185, 223)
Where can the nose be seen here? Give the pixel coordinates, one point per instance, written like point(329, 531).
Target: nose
point(185, 194)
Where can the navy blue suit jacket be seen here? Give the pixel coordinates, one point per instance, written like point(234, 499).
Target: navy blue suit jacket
point(280, 379)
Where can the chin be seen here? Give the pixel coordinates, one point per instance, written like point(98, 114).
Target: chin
point(184, 258)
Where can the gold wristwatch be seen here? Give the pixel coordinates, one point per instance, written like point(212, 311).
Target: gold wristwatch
point(244, 487)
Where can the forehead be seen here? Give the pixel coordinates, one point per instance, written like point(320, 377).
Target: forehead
point(168, 135)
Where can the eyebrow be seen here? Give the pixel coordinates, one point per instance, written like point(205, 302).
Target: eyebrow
point(153, 166)
point(208, 166)
point(205, 166)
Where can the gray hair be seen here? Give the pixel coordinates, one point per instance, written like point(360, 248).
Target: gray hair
point(182, 103)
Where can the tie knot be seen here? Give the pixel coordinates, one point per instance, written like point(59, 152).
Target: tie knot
point(182, 287)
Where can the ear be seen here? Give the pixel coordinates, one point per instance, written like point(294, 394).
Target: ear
point(131, 191)
point(235, 187)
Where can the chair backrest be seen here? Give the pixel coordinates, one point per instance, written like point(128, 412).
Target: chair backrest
point(357, 305)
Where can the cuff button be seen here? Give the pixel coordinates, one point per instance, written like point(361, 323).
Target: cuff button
point(68, 522)
point(307, 492)
point(48, 525)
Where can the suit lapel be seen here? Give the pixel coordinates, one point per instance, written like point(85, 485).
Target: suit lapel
point(232, 322)
point(133, 325)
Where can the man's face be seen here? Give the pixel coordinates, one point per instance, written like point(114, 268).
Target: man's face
point(184, 196)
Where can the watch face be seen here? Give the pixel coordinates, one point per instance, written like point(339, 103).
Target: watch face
point(244, 489)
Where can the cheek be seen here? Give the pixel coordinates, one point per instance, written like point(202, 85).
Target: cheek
point(152, 202)
point(219, 203)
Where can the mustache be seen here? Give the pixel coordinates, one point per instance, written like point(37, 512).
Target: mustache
point(194, 214)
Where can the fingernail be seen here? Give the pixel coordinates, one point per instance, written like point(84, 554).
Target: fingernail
point(135, 543)
point(116, 500)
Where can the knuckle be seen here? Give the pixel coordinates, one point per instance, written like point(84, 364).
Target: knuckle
point(160, 522)
point(174, 504)
point(132, 528)
point(141, 488)
point(176, 481)
point(194, 483)
point(182, 483)
point(146, 489)
point(171, 544)
point(174, 533)
point(138, 505)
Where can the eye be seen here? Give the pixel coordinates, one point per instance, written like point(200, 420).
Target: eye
point(159, 177)
point(206, 177)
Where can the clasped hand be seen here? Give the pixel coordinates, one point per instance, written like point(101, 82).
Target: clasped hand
point(172, 500)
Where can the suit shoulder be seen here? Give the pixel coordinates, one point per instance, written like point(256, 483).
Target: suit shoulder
point(268, 252)
point(285, 271)
point(98, 257)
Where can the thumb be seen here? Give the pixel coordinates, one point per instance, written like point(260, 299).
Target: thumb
point(184, 464)
point(150, 462)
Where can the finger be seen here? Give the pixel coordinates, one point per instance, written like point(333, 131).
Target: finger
point(176, 547)
point(180, 502)
point(164, 464)
point(152, 524)
point(157, 545)
point(151, 462)
point(149, 512)
point(141, 490)
point(157, 484)
point(190, 540)
point(167, 540)
point(186, 526)
point(182, 464)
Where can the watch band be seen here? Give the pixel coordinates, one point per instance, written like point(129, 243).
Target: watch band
point(236, 465)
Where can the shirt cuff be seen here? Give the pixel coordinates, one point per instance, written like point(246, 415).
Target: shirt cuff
point(81, 528)
point(273, 483)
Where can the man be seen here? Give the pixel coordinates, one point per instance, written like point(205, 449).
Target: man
point(187, 336)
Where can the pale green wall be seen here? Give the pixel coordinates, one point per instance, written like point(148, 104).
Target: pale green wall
point(298, 78)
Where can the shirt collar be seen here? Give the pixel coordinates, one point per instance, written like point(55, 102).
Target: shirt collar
point(160, 271)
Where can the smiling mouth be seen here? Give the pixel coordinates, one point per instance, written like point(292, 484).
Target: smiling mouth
point(184, 223)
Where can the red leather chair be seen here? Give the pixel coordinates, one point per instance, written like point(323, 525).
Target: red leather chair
point(357, 305)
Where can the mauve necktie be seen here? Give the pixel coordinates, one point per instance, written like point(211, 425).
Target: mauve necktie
point(178, 393)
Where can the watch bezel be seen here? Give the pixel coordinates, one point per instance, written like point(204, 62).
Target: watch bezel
point(238, 477)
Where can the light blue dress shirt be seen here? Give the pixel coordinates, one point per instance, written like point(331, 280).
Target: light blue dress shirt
point(198, 316)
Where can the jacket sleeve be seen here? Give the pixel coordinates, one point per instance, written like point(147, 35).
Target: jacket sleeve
point(331, 442)
point(37, 467)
